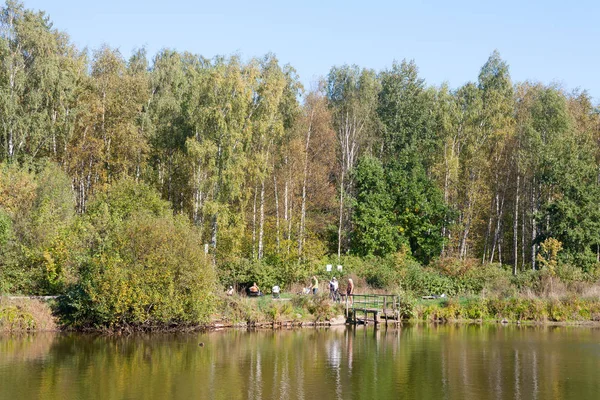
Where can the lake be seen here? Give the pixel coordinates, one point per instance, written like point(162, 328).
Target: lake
point(412, 362)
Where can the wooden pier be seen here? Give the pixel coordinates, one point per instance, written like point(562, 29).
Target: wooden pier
point(372, 308)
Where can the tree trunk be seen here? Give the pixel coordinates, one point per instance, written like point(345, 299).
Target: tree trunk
point(261, 226)
point(304, 180)
point(254, 223)
point(197, 195)
point(465, 234)
point(488, 232)
point(285, 206)
point(289, 226)
point(499, 216)
point(523, 232)
point(277, 226)
point(446, 184)
point(214, 232)
point(533, 225)
point(339, 250)
point(515, 228)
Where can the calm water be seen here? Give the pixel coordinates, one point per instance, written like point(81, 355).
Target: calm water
point(414, 362)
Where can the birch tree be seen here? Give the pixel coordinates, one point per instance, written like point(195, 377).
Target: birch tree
point(352, 94)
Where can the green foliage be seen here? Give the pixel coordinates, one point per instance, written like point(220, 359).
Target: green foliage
point(319, 307)
point(5, 228)
point(426, 282)
point(264, 272)
point(509, 308)
point(404, 108)
point(418, 205)
point(474, 308)
point(548, 255)
point(375, 231)
point(396, 206)
point(489, 278)
point(406, 306)
point(36, 211)
point(124, 199)
point(145, 271)
point(14, 318)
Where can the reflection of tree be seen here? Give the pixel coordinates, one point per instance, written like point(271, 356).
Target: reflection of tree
point(24, 348)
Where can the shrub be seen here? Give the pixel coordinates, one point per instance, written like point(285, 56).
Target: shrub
point(569, 273)
point(319, 306)
point(406, 306)
point(527, 280)
point(423, 282)
point(485, 278)
point(13, 318)
point(474, 308)
point(143, 272)
point(557, 311)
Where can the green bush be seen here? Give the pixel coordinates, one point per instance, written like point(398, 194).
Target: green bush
point(474, 308)
point(14, 318)
point(144, 271)
point(557, 311)
point(406, 306)
point(488, 277)
point(424, 282)
point(35, 209)
point(319, 306)
point(237, 309)
point(527, 280)
point(568, 273)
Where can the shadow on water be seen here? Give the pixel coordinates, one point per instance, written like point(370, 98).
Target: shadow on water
point(413, 361)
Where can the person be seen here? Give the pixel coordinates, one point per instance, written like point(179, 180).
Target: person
point(315, 285)
point(350, 290)
point(336, 291)
point(331, 289)
point(254, 290)
point(275, 291)
point(230, 291)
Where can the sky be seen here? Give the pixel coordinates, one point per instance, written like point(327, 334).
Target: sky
point(543, 41)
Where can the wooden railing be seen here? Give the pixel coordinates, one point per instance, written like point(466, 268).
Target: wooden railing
point(385, 305)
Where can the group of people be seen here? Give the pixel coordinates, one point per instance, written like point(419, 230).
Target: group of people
point(254, 290)
point(334, 289)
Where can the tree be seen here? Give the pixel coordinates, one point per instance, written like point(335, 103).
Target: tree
point(39, 74)
point(352, 95)
point(376, 231)
point(406, 111)
point(144, 267)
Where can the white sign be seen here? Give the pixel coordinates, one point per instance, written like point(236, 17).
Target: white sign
point(329, 267)
point(340, 267)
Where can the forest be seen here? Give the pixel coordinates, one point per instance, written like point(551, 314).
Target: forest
point(152, 182)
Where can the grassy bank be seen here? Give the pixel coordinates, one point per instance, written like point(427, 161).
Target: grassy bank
point(294, 310)
point(31, 314)
point(511, 309)
point(26, 314)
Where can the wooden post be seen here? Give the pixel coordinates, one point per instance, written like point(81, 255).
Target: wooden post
point(385, 305)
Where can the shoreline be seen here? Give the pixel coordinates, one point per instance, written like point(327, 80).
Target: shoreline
point(32, 314)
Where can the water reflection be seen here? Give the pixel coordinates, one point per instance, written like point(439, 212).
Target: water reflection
point(422, 361)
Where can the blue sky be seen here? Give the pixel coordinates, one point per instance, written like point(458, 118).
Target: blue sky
point(547, 41)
